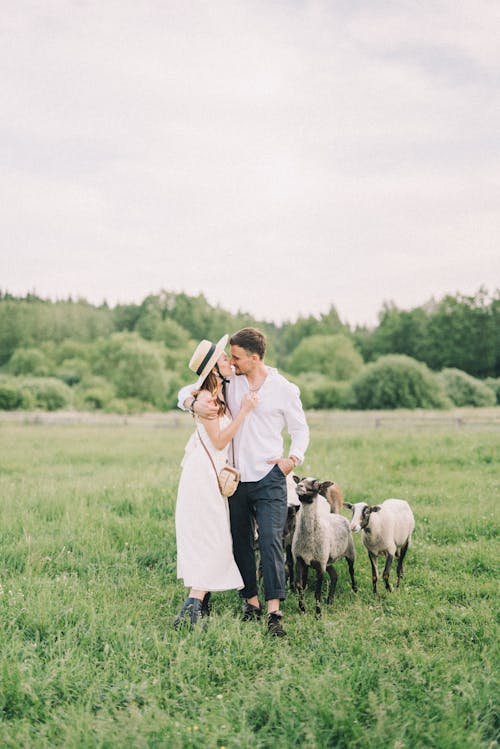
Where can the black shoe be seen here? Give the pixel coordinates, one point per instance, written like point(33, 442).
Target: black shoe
point(205, 605)
point(251, 613)
point(190, 613)
point(274, 624)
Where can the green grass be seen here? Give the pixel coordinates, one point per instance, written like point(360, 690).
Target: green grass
point(88, 656)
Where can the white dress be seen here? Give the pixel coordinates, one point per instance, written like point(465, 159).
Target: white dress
point(204, 545)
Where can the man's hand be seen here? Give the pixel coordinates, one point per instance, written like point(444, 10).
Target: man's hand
point(286, 465)
point(205, 406)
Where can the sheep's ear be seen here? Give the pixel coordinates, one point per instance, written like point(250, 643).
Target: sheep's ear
point(348, 505)
point(324, 486)
point(375, 508)
point(315, 485)
point(295, 478)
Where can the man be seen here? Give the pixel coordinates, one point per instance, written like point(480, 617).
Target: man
point(258, 454)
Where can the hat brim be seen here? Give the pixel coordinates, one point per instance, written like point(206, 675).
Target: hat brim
point(219, 348)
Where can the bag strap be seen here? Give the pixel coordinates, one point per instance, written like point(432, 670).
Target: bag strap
point(207, 452)
point(228, 410)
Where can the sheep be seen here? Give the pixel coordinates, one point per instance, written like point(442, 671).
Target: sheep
point(328, 489)
point(386, 530)
point(320, 539)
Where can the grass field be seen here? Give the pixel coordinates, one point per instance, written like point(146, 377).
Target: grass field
point(88, 593)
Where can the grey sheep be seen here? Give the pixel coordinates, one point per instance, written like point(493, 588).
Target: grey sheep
point(320, 539)
point(328, 489)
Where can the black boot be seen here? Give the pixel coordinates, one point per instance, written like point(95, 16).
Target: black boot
point(251, 613)
point(191, 612)
point(274, 626)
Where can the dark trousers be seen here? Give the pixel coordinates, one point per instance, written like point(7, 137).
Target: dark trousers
point(264, 501)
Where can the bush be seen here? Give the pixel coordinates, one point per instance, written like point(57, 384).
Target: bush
point(116, 406)
point(397, 381)
point(331, 395)
point(97, 397)
point(494, 385)
point(14, 395)
point(29, 361)
point(464, 390)
point(49, 393)
point(11, 397)
point(320, 392)
point(93, 392)
point(72, 371)
point(306, 383)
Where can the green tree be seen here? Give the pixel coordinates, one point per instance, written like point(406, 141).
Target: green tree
point(463, 334)
point(400, 332)
point(14, 328)
point(150, 319)
point(291, 334)
point(134, 366)
point(125, 316)
point(332, 355)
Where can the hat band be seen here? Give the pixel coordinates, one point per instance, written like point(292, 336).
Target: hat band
point(206, 359)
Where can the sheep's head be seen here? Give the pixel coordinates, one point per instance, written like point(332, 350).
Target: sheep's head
point(308, 488)
point(290, 520)
point(357, 510)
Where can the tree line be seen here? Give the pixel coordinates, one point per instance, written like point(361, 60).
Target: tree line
point(131, 357)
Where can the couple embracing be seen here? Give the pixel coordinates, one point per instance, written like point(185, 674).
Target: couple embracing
point(241, 407)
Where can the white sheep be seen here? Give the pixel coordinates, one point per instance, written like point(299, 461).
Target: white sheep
point(386, 530)
point(320, 539)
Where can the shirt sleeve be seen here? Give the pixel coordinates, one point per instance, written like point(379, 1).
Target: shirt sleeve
point(184, 393)
point(296, 422)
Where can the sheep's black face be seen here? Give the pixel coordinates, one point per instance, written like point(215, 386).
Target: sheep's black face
point(290, 520)
point(365, 517)
point(307, 489)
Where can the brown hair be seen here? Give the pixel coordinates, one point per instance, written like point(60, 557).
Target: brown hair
point(211, 383)
point(251, 339)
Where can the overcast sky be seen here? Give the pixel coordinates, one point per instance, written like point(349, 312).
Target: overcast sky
point(278, 157)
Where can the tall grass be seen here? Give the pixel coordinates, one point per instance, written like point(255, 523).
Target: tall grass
point(88, 655)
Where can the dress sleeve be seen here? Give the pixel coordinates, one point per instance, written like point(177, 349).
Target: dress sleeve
point(184, 393)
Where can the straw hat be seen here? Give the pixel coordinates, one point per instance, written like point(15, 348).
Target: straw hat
point(205, 357)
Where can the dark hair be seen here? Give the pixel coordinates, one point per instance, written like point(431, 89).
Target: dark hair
point(210, 383)
point(251, 339)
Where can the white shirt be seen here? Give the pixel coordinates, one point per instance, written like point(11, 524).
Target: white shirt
point(259, 438)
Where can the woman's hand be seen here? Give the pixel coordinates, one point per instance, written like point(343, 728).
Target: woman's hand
point(248, 403)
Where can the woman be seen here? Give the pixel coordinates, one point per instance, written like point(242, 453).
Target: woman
point(204, 545)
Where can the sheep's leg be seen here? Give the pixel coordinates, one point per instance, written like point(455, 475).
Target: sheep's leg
point(402, 555)
point(300, 569)
point(386, 572)
point(350, 564)
point(373, 562)
point(333, 582)
point(289, 566)
point(319, 585)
